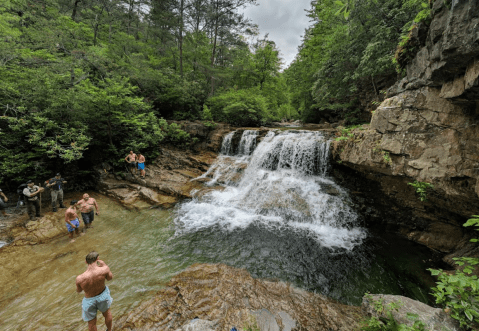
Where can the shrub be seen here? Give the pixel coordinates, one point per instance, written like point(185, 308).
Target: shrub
point(239, 107)
point(459, 292)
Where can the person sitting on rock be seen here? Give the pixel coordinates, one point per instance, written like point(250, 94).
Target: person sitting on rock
point(56, 189)
point(72, 221)
point(141, 165)
point(3, 206)
point(131, 159)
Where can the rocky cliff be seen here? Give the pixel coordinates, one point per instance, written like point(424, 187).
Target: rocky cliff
point(426, 130)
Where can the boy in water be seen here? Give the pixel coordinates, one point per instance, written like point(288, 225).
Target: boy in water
point(71, 220)
point(97, 294)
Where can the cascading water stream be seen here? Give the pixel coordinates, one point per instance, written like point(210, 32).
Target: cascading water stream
point(284, 186)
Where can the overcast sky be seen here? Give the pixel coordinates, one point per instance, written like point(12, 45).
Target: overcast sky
point(284, 20)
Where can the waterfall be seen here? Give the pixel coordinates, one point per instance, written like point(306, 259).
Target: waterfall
point(283, 184)
point(247, 142)
point(227, 145)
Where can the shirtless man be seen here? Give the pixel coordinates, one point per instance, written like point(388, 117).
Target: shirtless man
point(71, 220)
point(87, 211)
point(97, 294)
point(131, 159)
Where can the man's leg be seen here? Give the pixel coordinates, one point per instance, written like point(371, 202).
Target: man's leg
point(30, 209)
point(54, 200)
point(86, 220)
point(92, 325)
point(37, 208)
point(60, 198)
point(108, 319)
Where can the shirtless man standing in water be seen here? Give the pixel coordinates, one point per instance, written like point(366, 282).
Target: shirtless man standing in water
point(97, 294)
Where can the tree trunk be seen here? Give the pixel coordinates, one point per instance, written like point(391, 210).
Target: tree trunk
point(75, 6)
point(180, 39)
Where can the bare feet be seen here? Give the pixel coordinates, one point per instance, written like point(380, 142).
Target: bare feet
point(72, 241)
point(82, 233)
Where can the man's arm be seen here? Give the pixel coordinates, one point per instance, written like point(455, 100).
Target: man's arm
point(109, 274)
point(79, 289)
point(96, 206)
point(127, 159)
point(67, 219)
point(4, 196)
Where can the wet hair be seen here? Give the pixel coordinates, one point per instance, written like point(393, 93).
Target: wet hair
point(91, 257)
point(73, 202)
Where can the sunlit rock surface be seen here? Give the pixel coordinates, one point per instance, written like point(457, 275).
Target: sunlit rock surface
point(229, 297)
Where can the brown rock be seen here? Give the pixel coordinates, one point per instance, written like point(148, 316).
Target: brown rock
point(230, 297)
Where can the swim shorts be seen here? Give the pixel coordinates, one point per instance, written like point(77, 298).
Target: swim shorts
point(132, 164)
point(88, 217)
point(3, 205)
point(141, 166)
point(101, 302)
point(75, 222)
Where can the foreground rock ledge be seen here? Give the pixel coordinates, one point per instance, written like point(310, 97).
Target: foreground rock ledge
point(229, 297)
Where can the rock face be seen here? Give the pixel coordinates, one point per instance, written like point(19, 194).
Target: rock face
point(435, 319)
point(427, 130)
point(223, 297)
point(169, 176)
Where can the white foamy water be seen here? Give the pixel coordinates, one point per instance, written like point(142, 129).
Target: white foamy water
point(283, 185)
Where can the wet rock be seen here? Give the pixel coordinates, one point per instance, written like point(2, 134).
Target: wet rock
point(231, 297)
point(434, 318)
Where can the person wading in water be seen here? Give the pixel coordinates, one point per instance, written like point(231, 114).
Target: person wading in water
point(87, 211)
point(97, 294)
point(71, 220)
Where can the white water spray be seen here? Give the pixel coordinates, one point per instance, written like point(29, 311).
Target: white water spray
point(282, 185)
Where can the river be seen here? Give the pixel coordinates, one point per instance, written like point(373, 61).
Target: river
point(281, 220)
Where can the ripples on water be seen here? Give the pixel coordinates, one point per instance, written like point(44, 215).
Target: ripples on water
point(281, 218)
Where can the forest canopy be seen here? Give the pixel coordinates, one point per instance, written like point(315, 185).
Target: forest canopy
point(92, 79)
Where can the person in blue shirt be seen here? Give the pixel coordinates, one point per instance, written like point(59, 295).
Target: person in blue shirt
point(56, 188)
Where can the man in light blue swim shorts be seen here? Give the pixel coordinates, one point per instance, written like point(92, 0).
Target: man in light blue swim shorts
point(97, 295)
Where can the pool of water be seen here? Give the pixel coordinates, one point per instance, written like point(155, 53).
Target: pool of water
point(144, 249)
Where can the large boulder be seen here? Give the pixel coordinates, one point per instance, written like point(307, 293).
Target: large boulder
point(222, 297)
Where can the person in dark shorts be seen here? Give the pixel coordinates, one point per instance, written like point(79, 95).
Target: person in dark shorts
point(131, 159)
point(87, 207)
point(3, 206)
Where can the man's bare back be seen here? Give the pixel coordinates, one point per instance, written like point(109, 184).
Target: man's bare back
point(92, 281)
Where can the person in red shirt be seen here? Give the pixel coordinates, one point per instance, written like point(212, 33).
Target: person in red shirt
point(71, 220)
point(87, 205)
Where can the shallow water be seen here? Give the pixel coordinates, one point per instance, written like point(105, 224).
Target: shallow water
point(144, 250)
point(283, 219)
point(40, 294)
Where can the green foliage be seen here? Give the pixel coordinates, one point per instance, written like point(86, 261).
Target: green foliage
point(350, 43)
point(458, 292)
point(240, 108)
point(389, 323)
point(421, 189)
